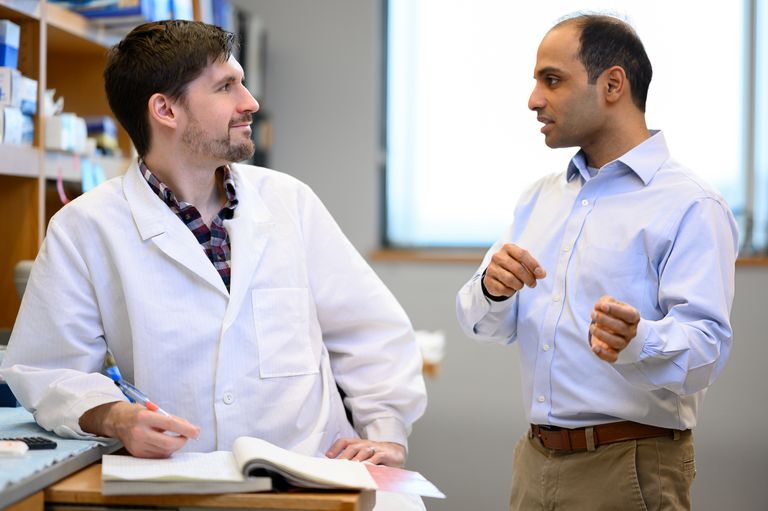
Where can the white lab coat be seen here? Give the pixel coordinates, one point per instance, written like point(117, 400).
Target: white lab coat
point(305, 312)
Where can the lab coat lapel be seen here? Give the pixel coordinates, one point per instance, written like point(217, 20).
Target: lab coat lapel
point(156, 222)
point(249, 232)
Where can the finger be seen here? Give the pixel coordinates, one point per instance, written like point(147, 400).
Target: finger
point(170, 423)
point(385, 457)
point(348, 453)
point(337, 447)
point(161, 445)
point(604, 352)
point(505, 286)
point(510, 273)
point(364, 452)
point(610, 339)
point(610, 323)
point(509, 267)
point(621, 310)
point(149, 443)
point(526, 259)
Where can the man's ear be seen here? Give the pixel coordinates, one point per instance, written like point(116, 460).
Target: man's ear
point(162, 110)
point(615, 83)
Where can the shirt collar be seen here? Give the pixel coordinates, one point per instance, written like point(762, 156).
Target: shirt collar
point(169, 198)
point(644, 159)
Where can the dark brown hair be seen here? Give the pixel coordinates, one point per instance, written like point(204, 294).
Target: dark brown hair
point(159, 57)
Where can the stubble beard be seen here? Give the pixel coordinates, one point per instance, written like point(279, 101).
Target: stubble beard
point(221, 148)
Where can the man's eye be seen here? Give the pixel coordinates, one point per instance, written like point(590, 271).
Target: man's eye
point(552, 80)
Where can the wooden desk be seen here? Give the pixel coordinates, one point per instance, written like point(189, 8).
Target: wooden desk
point(84, 488)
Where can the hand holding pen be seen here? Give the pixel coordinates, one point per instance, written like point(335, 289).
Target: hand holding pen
point(130, 391)
point(144, 433)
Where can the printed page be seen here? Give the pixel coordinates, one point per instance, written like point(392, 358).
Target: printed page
point(301, 470)
point(194, 466)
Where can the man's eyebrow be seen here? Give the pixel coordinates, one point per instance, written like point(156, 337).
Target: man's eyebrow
point(226, 79)
point(547, 70)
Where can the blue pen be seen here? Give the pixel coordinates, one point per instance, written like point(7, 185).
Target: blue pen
point(131, 392)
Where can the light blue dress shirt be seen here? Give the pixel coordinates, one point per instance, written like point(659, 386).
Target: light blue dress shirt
point(647, 231)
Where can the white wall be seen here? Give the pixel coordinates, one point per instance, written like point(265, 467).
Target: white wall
point(323, 89)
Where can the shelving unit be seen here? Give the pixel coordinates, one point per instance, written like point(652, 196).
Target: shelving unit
point(60, 50)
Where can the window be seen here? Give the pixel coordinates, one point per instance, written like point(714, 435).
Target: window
point(461, 143)
point(759, 182)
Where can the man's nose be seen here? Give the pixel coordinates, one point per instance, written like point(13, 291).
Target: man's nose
point(536, 100)
point(249, 102)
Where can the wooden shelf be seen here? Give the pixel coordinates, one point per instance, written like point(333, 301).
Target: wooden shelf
point(67, 29)
point(753, 260)
point(426, 255)
point(475, 256)
point(19, 160)
point(63, 51)
point(69, 165)
point(20, 10)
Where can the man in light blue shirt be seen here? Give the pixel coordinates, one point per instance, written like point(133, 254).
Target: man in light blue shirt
point(616, 279)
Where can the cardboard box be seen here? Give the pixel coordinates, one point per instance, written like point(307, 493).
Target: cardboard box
point(65, 132)
point(28, 100)
point(10, 87)
point(13, 122)
point(10, 34)
point(27, 129)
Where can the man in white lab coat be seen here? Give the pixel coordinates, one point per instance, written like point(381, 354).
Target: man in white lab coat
point(226, 292)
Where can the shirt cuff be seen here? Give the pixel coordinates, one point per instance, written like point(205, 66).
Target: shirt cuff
point(633, 352)
point(387, 429)
point(64, 420)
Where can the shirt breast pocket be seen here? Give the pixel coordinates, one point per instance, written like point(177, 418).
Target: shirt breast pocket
point(281, 318)
point(622, 274)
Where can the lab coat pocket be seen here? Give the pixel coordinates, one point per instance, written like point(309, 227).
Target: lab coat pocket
point(281, 319)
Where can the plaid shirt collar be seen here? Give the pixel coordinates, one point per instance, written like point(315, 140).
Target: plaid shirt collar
point(169, 198)
point(214, 239)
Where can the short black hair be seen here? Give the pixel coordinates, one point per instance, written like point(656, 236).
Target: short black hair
point(159, 57)
point(606, 41)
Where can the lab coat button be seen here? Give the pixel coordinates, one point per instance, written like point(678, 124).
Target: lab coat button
point(556, 298)
point(585, 202)
point(541, 399)
point(228, 398)
point(545, 347)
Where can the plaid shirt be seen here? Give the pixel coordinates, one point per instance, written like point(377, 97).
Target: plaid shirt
point(214, 240)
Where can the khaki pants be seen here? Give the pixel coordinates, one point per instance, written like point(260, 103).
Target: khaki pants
point(653, 474)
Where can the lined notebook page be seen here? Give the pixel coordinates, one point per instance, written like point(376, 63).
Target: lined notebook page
point(211, 466)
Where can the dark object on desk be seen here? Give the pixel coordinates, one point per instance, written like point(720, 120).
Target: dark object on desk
point(7, 399)
point(34, 442)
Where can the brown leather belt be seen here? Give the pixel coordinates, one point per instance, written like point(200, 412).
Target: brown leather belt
point(564, 439)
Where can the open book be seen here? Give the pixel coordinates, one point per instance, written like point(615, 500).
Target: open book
point(253, 465)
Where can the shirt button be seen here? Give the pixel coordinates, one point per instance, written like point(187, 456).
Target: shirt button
point(566, 248)
point(585, 202)
point(541, 399)
point(229, 398)
point(545, 347)
point(556, 298)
